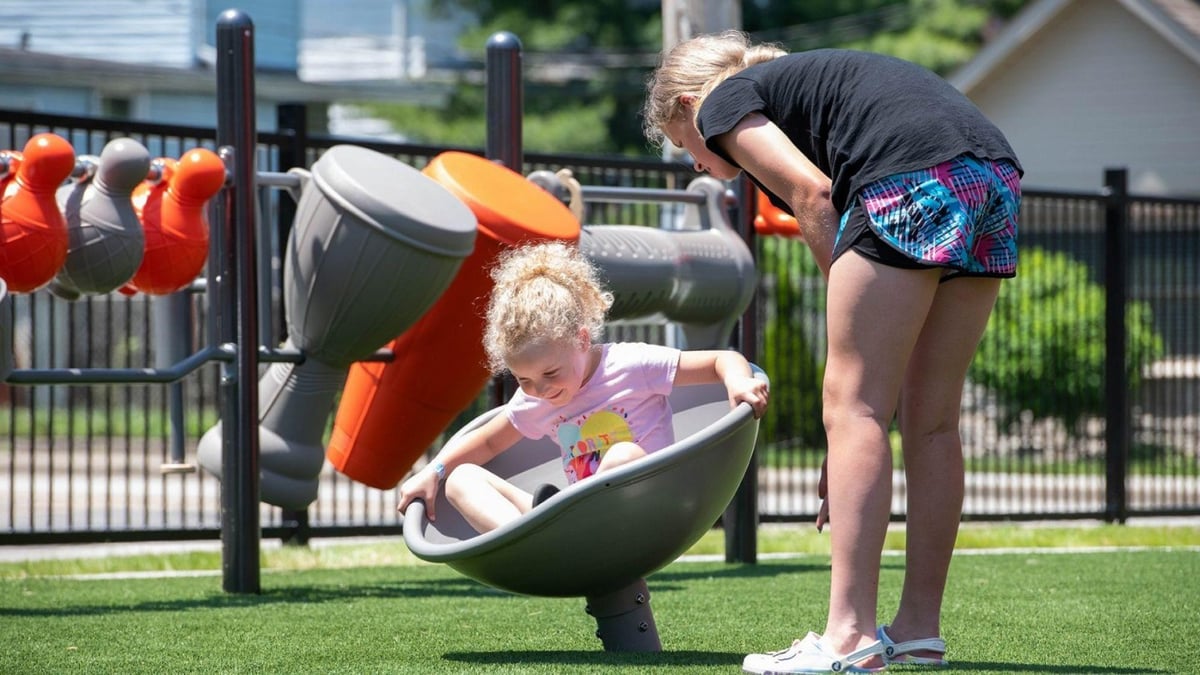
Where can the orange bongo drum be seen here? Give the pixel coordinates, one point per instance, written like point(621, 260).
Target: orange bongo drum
point(391, 413)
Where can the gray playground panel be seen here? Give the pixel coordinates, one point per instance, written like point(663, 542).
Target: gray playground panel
point(606, 532)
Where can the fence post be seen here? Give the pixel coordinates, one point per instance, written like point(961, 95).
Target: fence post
point(238, 305)
point(740, 520)
point(1116, 376)
point(292, 121)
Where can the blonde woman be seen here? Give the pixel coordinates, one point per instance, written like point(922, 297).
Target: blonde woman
point(605, 404)
point(907, 197)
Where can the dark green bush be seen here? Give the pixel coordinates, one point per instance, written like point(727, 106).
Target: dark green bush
point(1044, 349)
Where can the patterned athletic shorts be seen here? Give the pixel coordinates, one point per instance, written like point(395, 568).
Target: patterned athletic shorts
point(960, 215)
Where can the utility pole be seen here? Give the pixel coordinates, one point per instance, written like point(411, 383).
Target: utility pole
point(684, 19)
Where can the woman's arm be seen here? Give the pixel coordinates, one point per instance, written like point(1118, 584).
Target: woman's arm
point(765, 152)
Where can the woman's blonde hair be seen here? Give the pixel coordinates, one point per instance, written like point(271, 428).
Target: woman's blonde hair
point(696, 67)
point(544, 293)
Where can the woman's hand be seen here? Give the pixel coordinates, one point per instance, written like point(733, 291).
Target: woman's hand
point(823, 493)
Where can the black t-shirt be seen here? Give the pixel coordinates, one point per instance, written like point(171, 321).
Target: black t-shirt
point(857, 116)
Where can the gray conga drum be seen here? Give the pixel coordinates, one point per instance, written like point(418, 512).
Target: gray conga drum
point(701, 276)
point(375, 242)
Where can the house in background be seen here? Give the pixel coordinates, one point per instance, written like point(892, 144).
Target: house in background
point(1081, 85)
point(153, 60)
point(353, 40)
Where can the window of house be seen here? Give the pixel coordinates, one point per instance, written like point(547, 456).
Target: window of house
point(119, 107)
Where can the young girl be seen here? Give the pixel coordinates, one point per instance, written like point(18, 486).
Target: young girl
point(907, 197)
point(605, 404)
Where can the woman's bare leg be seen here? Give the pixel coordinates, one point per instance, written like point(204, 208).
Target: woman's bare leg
point(929, 424)
point(875, 314)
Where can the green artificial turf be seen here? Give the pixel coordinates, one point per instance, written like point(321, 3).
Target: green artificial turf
point(1062, 612)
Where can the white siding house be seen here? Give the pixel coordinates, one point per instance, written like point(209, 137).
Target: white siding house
point(153, 60)
point(1081, 85)
point(169, 33)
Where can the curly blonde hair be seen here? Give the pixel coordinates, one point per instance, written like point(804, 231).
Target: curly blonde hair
point(544, 293)
point(696, 67)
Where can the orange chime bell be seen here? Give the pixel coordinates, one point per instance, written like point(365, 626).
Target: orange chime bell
point(33, 231)
point(172, 212)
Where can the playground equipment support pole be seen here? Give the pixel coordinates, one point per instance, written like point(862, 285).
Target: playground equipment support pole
point(505, 113)
point(740, 520)
point(172, 328)
point(505, 101)
point(238, 304)
point(633, 195)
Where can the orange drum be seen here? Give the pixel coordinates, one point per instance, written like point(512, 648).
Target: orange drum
point(391, 413)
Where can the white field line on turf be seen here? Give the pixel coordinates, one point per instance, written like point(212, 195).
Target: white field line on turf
point(707, 557)
point(145, 574)
point(1031, 550)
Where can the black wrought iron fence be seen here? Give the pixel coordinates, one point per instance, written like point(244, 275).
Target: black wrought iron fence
point(1044, 435)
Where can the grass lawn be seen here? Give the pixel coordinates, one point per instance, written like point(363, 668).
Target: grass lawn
point(372, 608)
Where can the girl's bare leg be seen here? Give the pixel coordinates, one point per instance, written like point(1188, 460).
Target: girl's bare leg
point(620, 453)
point(484, 499)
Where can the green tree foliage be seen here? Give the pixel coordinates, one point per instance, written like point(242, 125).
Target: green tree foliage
point(1044, 348)
point(574, 126)
point(943, 35)
point(614, 44)
point(610, 42)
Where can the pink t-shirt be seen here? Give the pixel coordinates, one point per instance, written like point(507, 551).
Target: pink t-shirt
point(625, 399)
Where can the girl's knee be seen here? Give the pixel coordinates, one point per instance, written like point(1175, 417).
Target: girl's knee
point(464, 480)
point(621, 453)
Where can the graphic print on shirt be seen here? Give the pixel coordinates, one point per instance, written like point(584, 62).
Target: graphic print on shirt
point(585, 439)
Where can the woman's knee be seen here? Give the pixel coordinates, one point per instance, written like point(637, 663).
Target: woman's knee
point(923, 415)
point(841, 405)
point(915, 438)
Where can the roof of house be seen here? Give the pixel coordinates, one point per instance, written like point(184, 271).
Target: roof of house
point(35, 68)
point(1178, 21)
